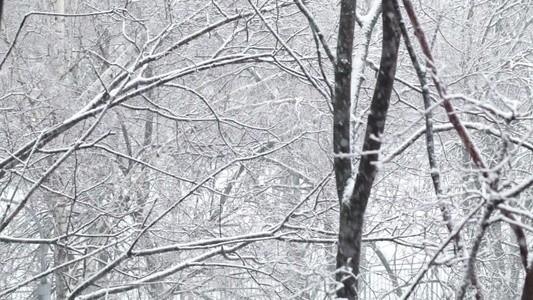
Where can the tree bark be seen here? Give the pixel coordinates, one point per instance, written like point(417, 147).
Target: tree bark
point(353, 203)
point(341, 98)
point(527, 291)
point(61, 209)
point(1, 9)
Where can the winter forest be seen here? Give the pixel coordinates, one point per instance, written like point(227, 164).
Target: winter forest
point(266, 149)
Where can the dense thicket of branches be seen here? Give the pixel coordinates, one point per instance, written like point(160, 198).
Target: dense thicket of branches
point(206, 149)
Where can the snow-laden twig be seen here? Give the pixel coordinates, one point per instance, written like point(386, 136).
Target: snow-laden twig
point(446, 127)
point(56, 165)
point(441, 89)
point(316, 29)
point(218, 243)
point(470, 272)
point(54, 269)
point(430, 144)
point(290, 51)
point(368, 22)
point(49, 14)
point(450, 238)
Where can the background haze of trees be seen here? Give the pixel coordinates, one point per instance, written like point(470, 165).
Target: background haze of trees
point(183, 150)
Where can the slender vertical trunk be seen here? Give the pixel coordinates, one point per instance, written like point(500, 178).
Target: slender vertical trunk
point(502, 265)
point(1, 14)
point(354, 202)
point(60, 212)
point(60, 49)
point(61, 207)
point(385, 262)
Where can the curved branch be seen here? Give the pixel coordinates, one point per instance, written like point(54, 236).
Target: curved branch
point(316, 29)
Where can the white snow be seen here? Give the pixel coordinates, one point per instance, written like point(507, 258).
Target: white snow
point(348, 191)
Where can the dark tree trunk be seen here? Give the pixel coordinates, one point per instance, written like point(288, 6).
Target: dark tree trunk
point(527, 291)
point(353, 207)
point(341, 98)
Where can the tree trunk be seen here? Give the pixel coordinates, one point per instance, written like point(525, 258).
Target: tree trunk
point(354, 202)
point(61, 206)
point(60, 213)
point(527, 292)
